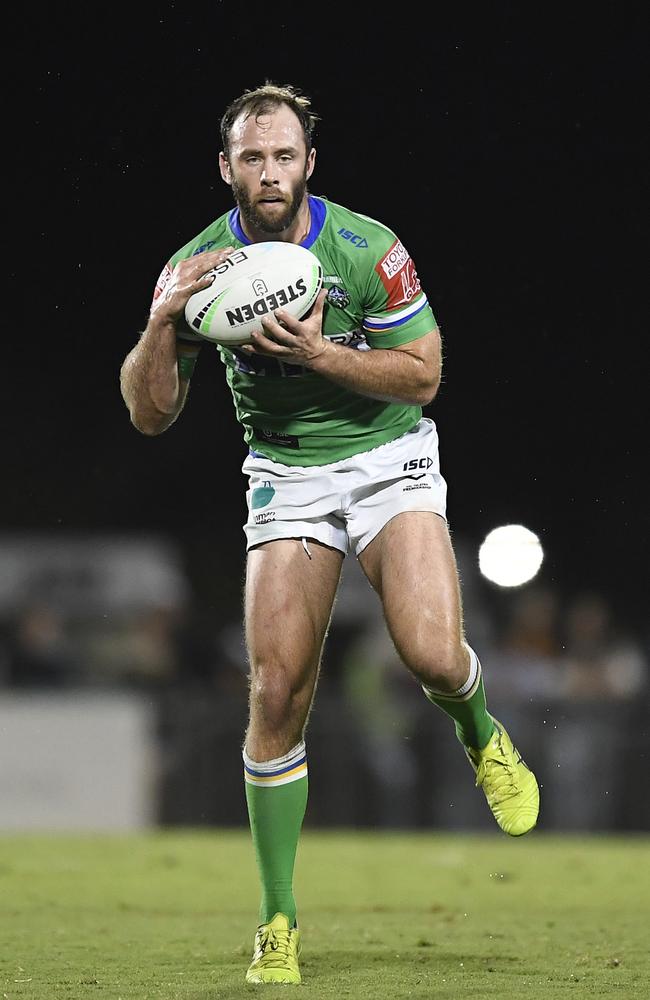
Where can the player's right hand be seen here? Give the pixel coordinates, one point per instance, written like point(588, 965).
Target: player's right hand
point(189, 276)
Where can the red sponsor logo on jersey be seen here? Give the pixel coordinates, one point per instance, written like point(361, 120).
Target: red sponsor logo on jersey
point(162, 282)
point(398, 276)
point(394, 260)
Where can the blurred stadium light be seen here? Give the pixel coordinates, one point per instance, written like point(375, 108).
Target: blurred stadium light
point(510, 555)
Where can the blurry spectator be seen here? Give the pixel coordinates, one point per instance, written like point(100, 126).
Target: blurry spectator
point(39, 652)
point(524, 663)
point(140, 649)
point(598, 729)
point(384, 697)
point(533, 626)
point(599, 661)
point(96, 610)
point(230, 661)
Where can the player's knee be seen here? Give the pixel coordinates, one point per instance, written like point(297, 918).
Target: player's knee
point(274, 694)
point(441, 665)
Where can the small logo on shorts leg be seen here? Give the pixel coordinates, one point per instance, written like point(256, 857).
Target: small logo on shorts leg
point(417, 463)
point(262, 495)
point(414, 464)
point(265, 517)
point(417, 486)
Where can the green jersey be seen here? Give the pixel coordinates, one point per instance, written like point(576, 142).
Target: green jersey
point(374, 300)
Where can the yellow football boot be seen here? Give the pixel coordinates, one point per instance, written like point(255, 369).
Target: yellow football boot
point(275, 957)
point(509, 785)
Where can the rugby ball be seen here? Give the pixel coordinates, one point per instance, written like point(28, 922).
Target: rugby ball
point(251, 283)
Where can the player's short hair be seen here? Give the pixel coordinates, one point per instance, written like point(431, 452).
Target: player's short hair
point(262, 101)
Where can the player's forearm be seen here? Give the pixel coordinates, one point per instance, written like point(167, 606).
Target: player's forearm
point(149, 379)
point(390, 375)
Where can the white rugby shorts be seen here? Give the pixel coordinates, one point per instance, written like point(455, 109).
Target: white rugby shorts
point(345, 504)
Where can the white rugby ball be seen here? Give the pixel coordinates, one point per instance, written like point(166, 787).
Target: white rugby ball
point(251, 283)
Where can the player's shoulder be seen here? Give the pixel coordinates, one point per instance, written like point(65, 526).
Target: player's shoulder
point(215, 235)
point(358, 231)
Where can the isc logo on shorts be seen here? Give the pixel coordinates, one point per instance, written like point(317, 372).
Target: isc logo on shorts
point(417, 463)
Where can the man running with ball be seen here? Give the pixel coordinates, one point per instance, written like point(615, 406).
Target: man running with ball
point(340, 460)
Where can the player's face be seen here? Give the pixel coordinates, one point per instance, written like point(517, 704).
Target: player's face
point(268, 168)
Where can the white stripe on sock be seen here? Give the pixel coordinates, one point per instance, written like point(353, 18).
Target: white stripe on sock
point(467, 689)
point(279, 771)
point(268, 766)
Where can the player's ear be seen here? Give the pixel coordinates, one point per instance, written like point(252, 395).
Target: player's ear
point(224, 168)
point(311, 161)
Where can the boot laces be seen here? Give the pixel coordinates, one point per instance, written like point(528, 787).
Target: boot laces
point(274, 946)
point(500, 774)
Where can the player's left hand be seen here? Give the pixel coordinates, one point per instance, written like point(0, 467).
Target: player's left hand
point(286, 338)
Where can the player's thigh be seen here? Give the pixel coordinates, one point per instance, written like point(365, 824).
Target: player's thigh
point(289, 596)
point(412, 566)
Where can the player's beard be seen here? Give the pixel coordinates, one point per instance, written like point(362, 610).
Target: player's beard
point(255, 220)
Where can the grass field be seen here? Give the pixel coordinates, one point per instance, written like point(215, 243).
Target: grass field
point(172, 915)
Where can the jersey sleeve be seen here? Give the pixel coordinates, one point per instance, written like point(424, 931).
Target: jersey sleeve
point(397, 309)
point(184, 336)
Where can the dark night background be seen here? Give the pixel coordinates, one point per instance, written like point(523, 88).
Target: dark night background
point(505, 148)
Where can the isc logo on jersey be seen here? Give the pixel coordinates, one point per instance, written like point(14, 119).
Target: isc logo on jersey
point(398, 276)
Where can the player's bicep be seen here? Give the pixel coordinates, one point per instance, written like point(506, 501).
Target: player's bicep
point(427, 348)
point(428, 352)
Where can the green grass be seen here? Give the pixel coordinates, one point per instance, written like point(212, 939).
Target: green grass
point(172, 915)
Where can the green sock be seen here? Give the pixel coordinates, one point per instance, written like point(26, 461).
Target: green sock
point(467, 707)
point(276, 794)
